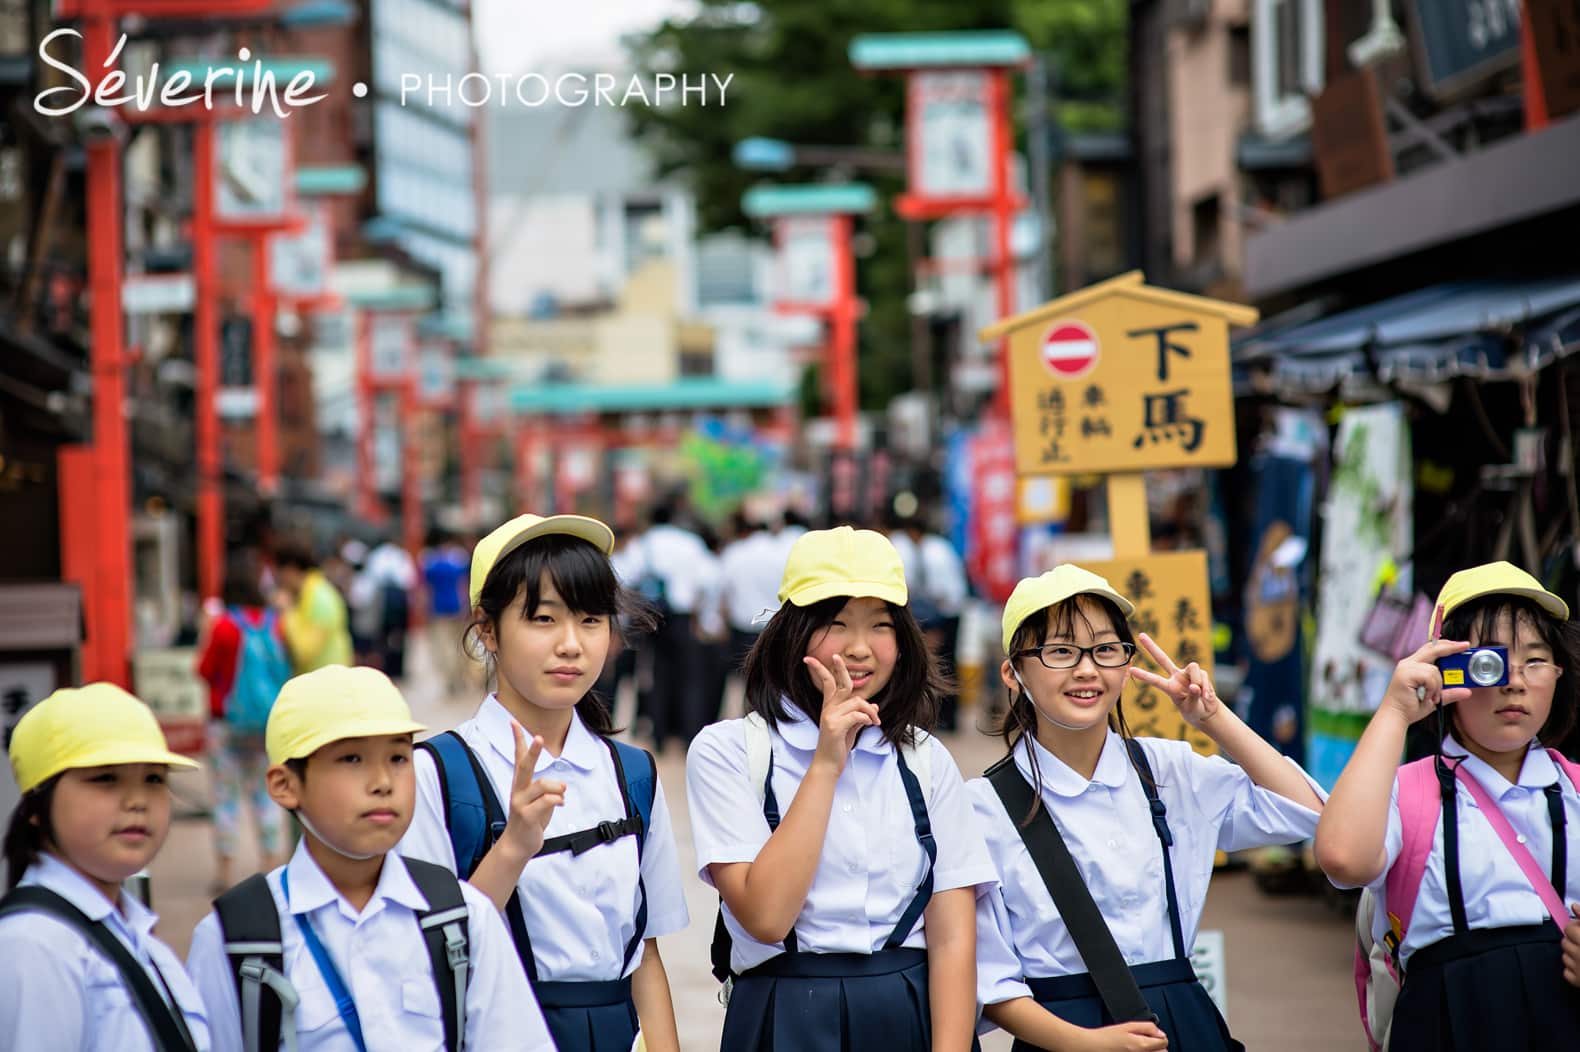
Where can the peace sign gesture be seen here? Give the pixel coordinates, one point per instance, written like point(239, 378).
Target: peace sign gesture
point(844, 712)
point(532, 800)
point(1190, 688)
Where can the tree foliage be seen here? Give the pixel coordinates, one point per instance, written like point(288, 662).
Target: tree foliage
point(792, 80)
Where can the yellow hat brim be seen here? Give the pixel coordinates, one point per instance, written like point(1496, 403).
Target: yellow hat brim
point(109, 754)
point(1015, 618)
point(305, 745)
point(816, 593)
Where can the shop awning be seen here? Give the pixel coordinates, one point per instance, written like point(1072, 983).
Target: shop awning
point(1491, 329)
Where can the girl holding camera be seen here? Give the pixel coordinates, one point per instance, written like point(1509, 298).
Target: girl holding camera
point(1492, 822)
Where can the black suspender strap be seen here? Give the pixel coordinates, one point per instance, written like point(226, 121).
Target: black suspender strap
point(771, 813)
point(1160, 824)
point(166, 1026)
point(1451, 882)
point(1060, 875)
point(1555, 814)
point(924, 836)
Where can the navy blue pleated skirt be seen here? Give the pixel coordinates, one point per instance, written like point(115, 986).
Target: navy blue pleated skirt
point(1496, 989)
point(589, 1017)
point(1185, 1011)
point(831, 1002)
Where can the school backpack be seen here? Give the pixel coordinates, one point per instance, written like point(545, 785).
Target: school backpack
point(475, 820)
point(759, 756)
point(167, 1029)
point(1377, 975)
point(249, 921)
point(261, 670)
point(651, 585)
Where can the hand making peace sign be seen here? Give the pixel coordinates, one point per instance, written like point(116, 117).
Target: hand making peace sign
point(532, 800)
point(1190, 687)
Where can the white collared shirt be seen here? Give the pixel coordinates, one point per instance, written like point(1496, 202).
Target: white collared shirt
point(1107, 824)
point(753, 567)
point(580, 910)
point(384, 962)
point(60, 993)
point(673, 554)
point(1497, 894)
point(871, 863)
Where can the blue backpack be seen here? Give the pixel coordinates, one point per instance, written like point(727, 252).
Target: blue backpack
point(475, 819)
point(261, 670)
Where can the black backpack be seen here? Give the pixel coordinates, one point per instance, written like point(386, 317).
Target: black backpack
point(167, 1029)
point(249, 921)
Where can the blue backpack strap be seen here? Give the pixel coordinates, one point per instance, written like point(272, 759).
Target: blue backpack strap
point(637, 773)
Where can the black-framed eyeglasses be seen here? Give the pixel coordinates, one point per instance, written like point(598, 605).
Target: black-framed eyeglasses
point(1068, 655)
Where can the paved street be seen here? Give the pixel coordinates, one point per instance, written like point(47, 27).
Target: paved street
point(1289, 984)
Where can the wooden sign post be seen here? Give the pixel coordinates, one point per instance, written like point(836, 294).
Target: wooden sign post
point(1117, 379)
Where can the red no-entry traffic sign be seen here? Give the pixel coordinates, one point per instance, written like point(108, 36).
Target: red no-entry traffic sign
point(1069, 350)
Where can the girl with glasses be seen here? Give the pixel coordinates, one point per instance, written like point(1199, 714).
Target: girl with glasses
point(1141, 820)
point(1469, 855)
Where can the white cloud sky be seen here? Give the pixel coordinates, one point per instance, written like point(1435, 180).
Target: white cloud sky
point(518, 35)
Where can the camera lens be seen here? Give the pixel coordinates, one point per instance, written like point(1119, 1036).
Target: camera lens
point(1485, 668)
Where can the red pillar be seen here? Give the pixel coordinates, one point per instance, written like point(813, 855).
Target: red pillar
point(525, 483)
point(108, 591)
point(263, 366)
point(367, 490)
point(471, 451)
point(411, 482)
point(1531, 74)
point(205, 354)
point(842, 345)
point(1003, 262)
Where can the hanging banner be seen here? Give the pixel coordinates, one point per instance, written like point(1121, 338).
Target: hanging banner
point(994, 534)
point(299, 263)
point(251, 172)
point(806, 246)
point(390, 341)
point(435, 374)
point(236, 397)
point(950, 134)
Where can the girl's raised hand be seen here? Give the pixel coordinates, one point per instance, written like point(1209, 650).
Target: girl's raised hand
point(532, 800)
point(844, 714)
point(1417, 685)
point(1190, 688)
point(1126, 1037)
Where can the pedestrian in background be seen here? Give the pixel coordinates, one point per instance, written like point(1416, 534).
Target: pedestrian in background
point(671, 566)
point(392, 575)
point(313, 620)
point(244, 663)
point(751, 566)
point(444, 569)
point(80, 967)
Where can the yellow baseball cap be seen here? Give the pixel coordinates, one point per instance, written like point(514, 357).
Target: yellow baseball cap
point(92, 726)
point(842, 561)
point(1499, 578)
point(523, 528)
point(331, 704)
point(1064, 581)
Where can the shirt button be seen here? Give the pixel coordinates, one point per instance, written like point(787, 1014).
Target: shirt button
point(846, 809)
point(1520, 838)
point(595, 955)
point(1113, 843)
point(855, 867)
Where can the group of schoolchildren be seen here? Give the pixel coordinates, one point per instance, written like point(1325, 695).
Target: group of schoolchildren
point(870, 897)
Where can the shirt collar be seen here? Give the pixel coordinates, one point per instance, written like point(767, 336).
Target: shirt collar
point(800, 733)
point(1537, 772)
point(50, 872)
point(582, 750)
point(1113, 767)
point(311, 889)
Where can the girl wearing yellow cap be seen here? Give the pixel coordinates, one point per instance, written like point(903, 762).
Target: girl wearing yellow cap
point(1104, 843)
point(80, 967)
point(1470, 854)
point(535, 803)
point(834, 827)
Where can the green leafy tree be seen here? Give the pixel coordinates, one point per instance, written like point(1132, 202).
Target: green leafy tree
point(793, 80)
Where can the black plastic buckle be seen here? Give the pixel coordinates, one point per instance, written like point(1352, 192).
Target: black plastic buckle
point(609, 832)
point(495, 831)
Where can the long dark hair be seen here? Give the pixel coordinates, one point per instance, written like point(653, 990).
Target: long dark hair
point(774, 671)
point(1479, 617)
point(586, 584)
point(30, 830)
point(1020, 717)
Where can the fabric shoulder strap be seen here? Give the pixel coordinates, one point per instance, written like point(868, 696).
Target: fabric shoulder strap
point(1420, 809)
point(1517, 850)
point(444, 931)
point(1570, 769)
point(165, 1024)
point(640, 771)
point(918, 756)
point(759, 752)
point(1115, 983)
point(249, 922)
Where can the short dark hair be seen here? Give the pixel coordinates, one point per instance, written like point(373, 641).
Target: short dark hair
point(241, 587)
point(30, 830)
point(774, 671)
point(586, 582)
point(295, 555)
point(1479, 617)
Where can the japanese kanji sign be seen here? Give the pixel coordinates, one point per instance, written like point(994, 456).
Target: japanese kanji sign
point(1157, 395)
point(1173, 607)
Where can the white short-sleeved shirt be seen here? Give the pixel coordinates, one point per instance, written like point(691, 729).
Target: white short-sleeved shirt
point(60, 993)
point(1107, 824)
point(871, 864)
point(580, 910)
point(384, 961)
point(752, 568)
point(1497, 895)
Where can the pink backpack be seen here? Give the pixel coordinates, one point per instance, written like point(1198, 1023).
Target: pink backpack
point(1377, 978)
